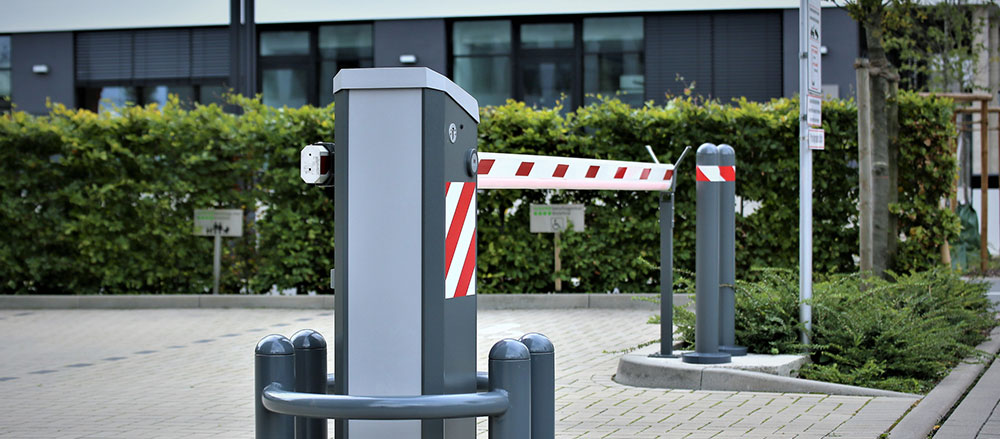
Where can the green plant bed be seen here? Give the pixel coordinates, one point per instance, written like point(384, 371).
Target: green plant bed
point(902, 334)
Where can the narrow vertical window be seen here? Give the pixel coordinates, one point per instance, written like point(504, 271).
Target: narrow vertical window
point(346, 46)
point(613, 59)
point(481, 59)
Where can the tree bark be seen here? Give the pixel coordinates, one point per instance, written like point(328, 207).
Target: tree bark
point(885, 127)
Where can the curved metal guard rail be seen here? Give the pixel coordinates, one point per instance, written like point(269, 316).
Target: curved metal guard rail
point(462, 405)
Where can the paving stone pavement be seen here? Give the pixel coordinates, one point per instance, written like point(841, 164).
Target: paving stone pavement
point(188, 373)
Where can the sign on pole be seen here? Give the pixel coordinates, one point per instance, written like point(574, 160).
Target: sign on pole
point(816, 139)
point(218, 223)
point(554, 218)
point(814, 71)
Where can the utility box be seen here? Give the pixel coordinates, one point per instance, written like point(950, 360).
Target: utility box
point(405, 185)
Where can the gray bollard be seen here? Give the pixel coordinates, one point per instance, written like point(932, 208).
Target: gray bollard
point(510, 371)
point(274, 363)
point(310, 377)
point(707, 261)
point(727, 256)
point(666, 276)
point(543, 385)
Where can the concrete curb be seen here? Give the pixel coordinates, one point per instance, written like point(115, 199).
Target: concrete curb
point(641, 371)
point(484, 301)
point(932, 408)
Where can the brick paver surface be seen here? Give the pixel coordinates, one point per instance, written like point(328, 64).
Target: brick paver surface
point(188, 373)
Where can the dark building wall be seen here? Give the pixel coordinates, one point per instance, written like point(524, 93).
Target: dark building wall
point(30, 90)
point(424, 38)
point(840, 36)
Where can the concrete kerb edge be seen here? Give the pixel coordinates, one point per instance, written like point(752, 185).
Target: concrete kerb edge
point(930, 410)
point(183, 301)
point(641, 371)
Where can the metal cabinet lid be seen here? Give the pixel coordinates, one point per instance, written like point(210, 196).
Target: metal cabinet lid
point(405, 77)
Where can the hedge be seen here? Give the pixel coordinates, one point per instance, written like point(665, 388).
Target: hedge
point(103, 203)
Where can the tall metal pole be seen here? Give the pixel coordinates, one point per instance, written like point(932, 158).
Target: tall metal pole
point(805, 178)
point(216, 264)
point(984, 185)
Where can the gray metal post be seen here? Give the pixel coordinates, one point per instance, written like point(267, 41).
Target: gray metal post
point(543, 385)
point(510, 371)
point(310, 377)
point(666, 276)
point(274, 362)
point(216, 264)
point(707, 262)
point(727, 258)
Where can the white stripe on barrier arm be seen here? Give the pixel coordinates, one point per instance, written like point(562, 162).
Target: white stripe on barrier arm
point(520, 171)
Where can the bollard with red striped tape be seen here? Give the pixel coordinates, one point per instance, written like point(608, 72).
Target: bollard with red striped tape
point(715, 173)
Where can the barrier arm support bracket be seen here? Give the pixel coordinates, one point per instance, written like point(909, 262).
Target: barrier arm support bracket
point(667, 263)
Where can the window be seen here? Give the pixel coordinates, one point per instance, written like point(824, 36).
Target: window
point(342, 47)
point(547, 65)
point(613, 58)
point(546, 62)
point(105, 99)
point(297, 66)
point(117, 68)
point(4, 74)
point(481, 62)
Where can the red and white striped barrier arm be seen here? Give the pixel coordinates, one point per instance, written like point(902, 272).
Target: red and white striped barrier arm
point(716, 173)
point(519, 171)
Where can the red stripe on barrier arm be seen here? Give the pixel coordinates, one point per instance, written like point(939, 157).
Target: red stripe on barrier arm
point(668, 175)
point(701, 176)
point(468, 268)
point(592, 171)
point(457, 220)
point(621, 172)
point(485, 166)
point(728, 173)
point(447, 187)
point(524, 169)
point(560, 171)
point(645, 174)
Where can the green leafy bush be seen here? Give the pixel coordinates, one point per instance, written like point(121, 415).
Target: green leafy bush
point(900, 334)
point(103, 203)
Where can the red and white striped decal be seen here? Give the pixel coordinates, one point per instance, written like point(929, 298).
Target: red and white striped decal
point(716, 173)
point(460, 239)
point(519, 171)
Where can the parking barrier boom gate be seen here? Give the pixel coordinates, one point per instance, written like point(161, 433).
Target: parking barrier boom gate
point(405, 290)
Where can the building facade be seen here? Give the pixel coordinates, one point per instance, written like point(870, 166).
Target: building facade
point(89, 56)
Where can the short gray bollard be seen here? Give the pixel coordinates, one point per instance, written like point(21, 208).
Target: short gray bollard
point(727, 254)
point(274, 362)
point(510, 371)
point(707, 261)
point(543, 385)
point(310, 377)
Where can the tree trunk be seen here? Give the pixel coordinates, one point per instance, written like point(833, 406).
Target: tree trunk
point(885, 127)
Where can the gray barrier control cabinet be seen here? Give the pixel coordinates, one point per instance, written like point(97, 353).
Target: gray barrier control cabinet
point(405, 188)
